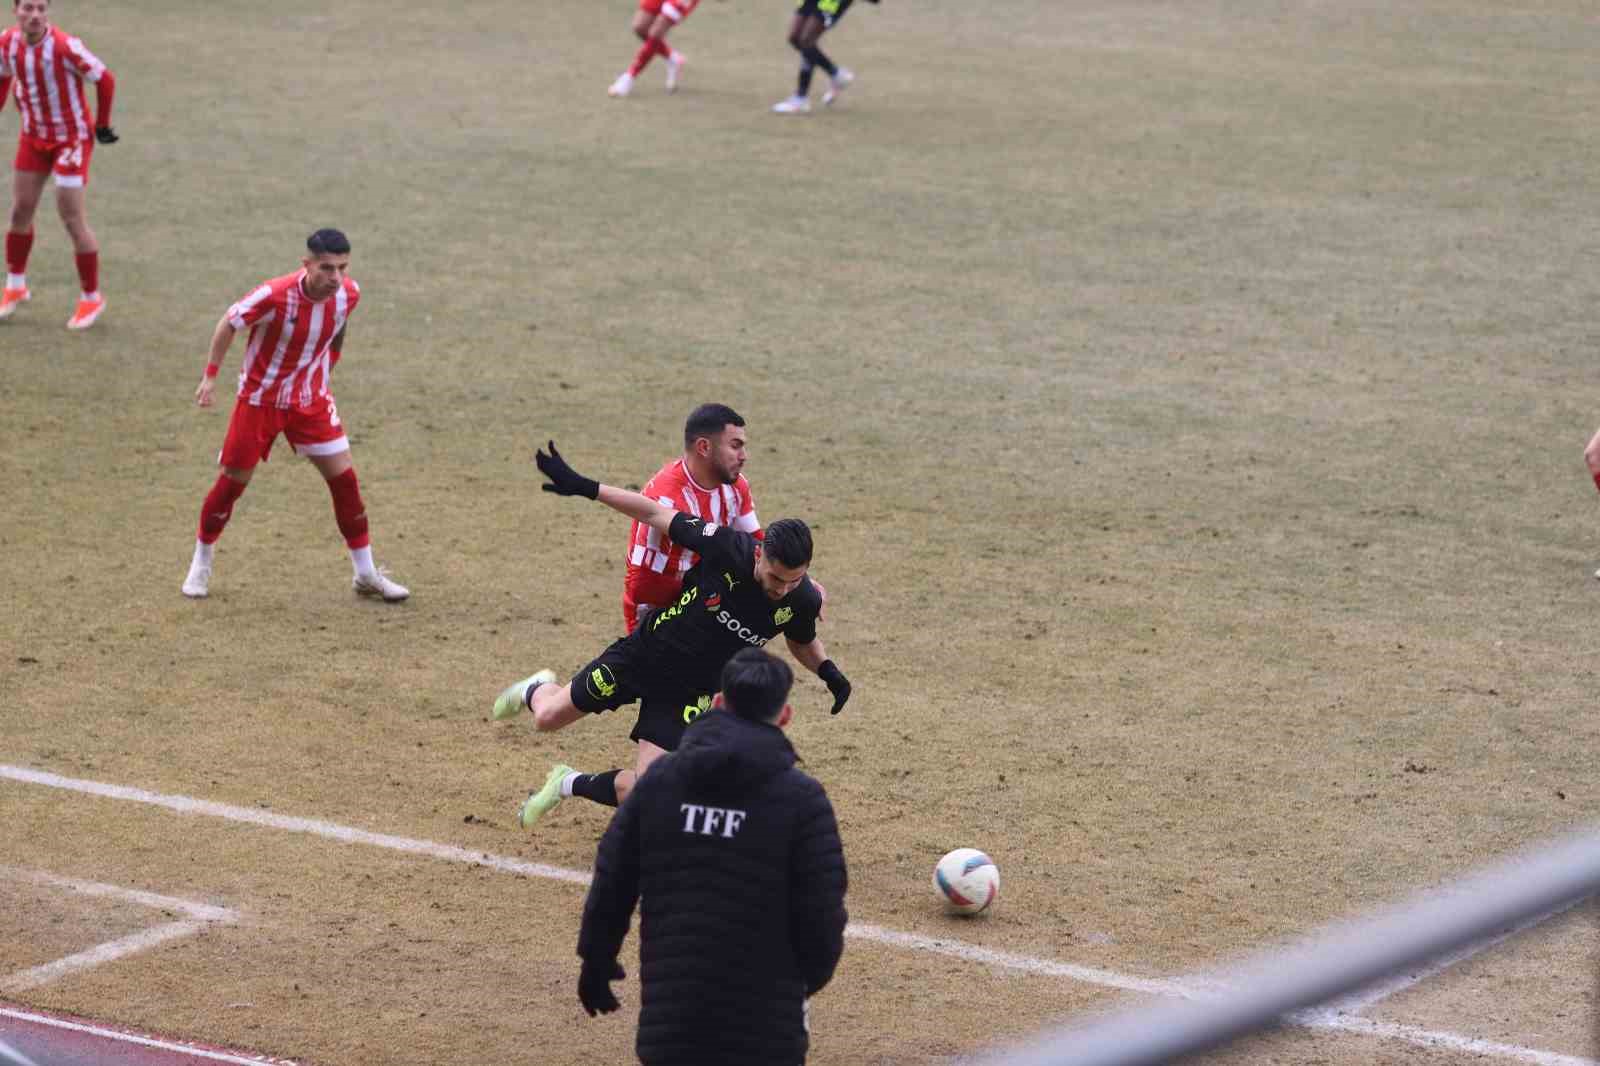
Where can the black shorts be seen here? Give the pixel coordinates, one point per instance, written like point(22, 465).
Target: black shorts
point(619, 676)
point(829, 11)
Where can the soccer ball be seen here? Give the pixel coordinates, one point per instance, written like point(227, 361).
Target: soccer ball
point(967, 880)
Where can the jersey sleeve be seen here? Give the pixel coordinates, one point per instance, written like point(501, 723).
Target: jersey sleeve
point(707, 539)
point(83, 62)
point(252, 309)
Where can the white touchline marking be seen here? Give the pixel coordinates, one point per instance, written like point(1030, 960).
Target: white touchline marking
point(142, 1041)
point(16, 1058)
point(200, 915)
point(1188, 988)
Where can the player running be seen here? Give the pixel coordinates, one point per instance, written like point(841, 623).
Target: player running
point(742, 594)
point(46, 68)
point(297, 326)
point(651, 24)
point(813, 18)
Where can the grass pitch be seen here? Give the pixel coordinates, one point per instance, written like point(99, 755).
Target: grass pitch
point(1188, 400)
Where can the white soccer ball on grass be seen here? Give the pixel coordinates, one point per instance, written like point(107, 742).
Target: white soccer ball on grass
point(967, 880)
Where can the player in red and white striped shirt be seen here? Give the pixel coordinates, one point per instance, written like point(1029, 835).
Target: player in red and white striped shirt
point(297, 325)
point(47, 69)
point(706, 482)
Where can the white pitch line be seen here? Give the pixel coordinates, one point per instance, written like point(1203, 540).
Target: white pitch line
point(1187, 988)
point(1431, 1038)
point(143, 1041)
point(98, 955)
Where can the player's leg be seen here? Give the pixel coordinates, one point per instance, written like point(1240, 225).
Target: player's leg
point(71, 174)
point(811, 33)
point(251, 431)
point(27, 186)
point(350, 512)
point(805, 26)
point(840, 78)
point(643, 20)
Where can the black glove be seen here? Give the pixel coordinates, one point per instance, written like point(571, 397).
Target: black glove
point(106, 135)
point(837, 684)
point(594, 985)
point(564, 481)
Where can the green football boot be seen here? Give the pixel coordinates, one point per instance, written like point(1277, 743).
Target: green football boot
point(514, 698)
point(545, 800)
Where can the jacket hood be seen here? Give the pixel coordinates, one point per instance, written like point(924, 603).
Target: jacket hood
point(721, 749)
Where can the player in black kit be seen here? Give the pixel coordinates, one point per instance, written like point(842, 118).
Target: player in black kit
point(813, 18)
point(740, 594)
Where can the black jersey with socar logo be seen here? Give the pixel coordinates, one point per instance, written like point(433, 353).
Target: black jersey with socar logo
point(722, 607)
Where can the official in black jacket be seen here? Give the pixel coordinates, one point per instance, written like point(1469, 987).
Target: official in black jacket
point(737, 856)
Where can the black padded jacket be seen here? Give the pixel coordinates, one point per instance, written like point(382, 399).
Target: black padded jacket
point(735, 856)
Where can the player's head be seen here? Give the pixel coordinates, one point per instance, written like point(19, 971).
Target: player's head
point(756, 686)
point(33, 17)
point(714, 438)
point(785, 556)
point(327, 261)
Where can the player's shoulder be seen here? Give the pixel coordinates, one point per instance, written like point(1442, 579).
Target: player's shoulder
point(351, 289)
point(806, 596)
point(666, 481)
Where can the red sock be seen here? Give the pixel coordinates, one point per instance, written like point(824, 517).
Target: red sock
point(88, 270)
point(1597, 479)
point(218, 508)
point(18, 245)
point(663, 49)
point(348, 509)
point(646, 52)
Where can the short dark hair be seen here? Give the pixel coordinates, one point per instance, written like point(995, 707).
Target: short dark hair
point(756, 685)
point(328, 242)
point(708, 420)
point(788, 540)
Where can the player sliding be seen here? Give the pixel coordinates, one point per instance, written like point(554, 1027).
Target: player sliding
point(741, 595)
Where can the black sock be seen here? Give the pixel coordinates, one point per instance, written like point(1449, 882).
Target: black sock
point(602, 788)
point(806, 69)
point(815, 57)
point(527, 695)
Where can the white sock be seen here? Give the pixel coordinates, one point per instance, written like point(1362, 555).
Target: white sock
point(95, 295)
point(362, 558)
point(566, 782)
point(16, 281)
point(204, 552)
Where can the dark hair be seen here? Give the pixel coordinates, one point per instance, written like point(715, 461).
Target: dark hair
point(788, 541)
point(707, 420)
point(328, 242)
point(756, 685)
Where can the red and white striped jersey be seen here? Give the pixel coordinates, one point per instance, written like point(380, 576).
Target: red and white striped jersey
point(287, 361)
point(48, 83)
point(655, 564)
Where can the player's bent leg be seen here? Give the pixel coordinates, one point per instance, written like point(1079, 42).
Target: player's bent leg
point(26, 188)
point(513, 699)
point(552, 707)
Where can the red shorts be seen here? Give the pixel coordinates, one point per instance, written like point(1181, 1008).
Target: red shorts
point(313, 430)
point(68, 161)
point(675, 10)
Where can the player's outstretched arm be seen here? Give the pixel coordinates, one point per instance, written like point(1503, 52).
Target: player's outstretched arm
point(565, 481)
point(221, 338)
point(814, 657)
